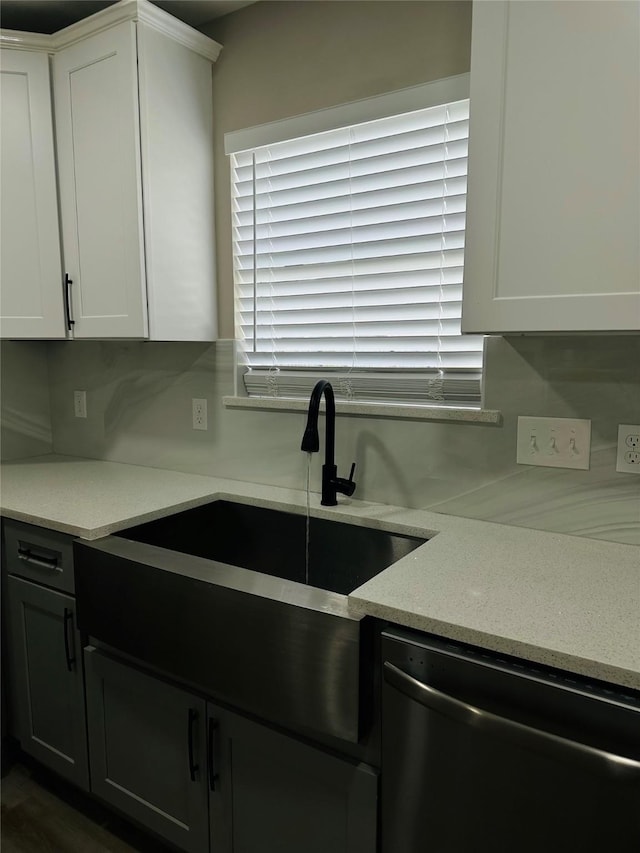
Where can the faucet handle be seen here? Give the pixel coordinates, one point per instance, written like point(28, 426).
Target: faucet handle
point(346, 487)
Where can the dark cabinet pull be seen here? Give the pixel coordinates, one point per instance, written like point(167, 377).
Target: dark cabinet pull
point(38, 560)
point(68, 620)
point(213, 728)
point(67, 300)
point(193, 767)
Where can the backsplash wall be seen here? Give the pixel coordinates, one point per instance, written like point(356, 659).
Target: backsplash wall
point(139, 411)
point(25, 424)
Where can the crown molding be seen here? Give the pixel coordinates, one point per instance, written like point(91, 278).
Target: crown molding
point(165, 23)
point(126, 10)
point(18, 40)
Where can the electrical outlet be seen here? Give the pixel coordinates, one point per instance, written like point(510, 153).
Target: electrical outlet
point(554, 442)
point(199, 413)
point(80, 404)
point(628, 455)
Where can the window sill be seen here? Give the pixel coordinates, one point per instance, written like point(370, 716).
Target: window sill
point(449, 414)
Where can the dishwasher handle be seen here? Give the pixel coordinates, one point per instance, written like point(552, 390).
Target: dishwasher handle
point(523, 735)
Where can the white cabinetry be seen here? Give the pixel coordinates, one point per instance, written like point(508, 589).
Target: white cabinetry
point(134, 127)
point(553, 217)
point(133, 113)
point(31, 298)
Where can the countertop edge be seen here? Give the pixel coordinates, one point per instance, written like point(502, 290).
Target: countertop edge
point(545, 656)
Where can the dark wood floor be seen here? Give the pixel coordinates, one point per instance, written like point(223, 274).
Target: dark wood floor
point(43, 814)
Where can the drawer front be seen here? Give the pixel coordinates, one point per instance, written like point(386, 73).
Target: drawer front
point(40, 555)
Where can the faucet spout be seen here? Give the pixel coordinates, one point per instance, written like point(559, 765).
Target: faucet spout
point(311, 439)
point(331, 483)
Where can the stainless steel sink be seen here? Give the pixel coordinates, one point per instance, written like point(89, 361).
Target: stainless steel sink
point(223, 598)
point(341, 556)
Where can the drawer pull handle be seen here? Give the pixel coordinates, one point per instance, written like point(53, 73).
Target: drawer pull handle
point(68, 620)
point(41, 562)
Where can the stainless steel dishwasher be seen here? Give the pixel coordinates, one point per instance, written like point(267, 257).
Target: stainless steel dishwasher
point(481, 754)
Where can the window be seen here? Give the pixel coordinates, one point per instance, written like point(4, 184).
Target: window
point(348, 250)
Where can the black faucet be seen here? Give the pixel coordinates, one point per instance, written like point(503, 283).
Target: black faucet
point(331, 483)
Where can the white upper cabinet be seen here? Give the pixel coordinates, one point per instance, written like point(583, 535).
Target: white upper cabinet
point(132, 95)
point(31, 294)
point(553, 215)
point(98, 137)
point(134, 130)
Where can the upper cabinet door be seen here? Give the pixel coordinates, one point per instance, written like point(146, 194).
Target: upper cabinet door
point(98, 135)
point(553, 218)
point(176, 128)
point(31, 301)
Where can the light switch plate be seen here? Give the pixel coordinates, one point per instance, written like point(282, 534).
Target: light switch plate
point(628, 455)
point(554, 442)
point(199, 413)
point(80, 404)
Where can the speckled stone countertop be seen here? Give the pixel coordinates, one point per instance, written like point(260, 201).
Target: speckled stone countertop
point(559, 600)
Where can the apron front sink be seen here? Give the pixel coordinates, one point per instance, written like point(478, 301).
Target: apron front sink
point(223, 598)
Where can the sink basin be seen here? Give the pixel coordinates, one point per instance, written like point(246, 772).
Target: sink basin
point(341, 557)
point(221, 598)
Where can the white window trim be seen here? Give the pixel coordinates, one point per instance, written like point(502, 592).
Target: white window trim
point(442, 413)
point(368, 109)
point(413, 98)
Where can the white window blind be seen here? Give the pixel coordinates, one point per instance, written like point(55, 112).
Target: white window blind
point(348, 261)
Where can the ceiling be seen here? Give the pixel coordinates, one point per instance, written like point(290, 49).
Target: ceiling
point(48, 16)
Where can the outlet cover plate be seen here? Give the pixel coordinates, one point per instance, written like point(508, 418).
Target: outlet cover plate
point(554, 442)
point(628, 455)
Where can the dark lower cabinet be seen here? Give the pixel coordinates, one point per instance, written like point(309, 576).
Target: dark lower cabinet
point(206, 778)
point(147, 750)
point(284, 796)
point(45, 658)
point(202, 777)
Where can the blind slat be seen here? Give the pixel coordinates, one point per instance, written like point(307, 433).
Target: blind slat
point(310, 174)
point(334, 221)
point(266, 195)
point(420, 277)
point(245, 212)
point(360, 235)
point(356, 309)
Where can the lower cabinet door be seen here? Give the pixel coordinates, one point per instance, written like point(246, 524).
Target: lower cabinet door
point(147, 750)
point(270, 793)
point(46, 678)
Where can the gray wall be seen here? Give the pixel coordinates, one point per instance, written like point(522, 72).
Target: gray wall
point(282, 59)
point(25, 425)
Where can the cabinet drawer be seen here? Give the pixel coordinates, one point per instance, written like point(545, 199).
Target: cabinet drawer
point(41, 555)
